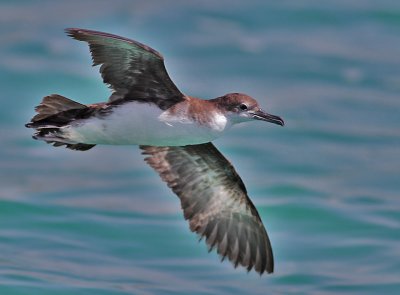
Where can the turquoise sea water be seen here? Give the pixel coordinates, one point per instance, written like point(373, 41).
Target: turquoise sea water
point(327, 185)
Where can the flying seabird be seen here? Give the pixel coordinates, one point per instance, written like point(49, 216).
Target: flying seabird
point(174, 131)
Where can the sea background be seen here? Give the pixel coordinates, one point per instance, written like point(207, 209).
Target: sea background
point(327, 185)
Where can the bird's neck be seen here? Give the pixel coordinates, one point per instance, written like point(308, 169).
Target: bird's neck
point(204, 113)
point(208, 113)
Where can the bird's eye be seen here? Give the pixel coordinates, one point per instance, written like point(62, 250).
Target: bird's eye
point(243, 107)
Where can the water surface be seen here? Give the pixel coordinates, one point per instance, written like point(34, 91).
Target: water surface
point(326, 185)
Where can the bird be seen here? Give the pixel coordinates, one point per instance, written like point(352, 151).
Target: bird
point(175, 133)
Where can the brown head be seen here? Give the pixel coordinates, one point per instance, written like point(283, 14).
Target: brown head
point(240, 107)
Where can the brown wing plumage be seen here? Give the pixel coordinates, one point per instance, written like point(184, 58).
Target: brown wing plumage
point(133, 70)
point(215, 201)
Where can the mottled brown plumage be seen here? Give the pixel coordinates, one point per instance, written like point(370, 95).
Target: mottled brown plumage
point(133, 70)
point(215, 201)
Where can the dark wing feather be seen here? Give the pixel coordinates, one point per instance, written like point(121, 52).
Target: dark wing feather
point(133, 70)
point(215, 201)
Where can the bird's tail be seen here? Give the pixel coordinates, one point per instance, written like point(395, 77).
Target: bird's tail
point(54, 113)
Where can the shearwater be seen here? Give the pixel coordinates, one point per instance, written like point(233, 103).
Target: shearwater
point(174, 131)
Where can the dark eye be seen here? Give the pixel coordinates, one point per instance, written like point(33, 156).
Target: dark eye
point(243, 107)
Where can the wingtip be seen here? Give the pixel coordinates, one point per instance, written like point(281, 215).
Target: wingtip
point(85, 34)
point(78, 33)
point(74, 32)
point(71, 31)
point(269, 269)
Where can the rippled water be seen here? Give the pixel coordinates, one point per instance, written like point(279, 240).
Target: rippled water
point(327, 185)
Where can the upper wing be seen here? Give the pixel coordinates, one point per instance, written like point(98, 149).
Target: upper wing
point(133, 70)
point(215, 201)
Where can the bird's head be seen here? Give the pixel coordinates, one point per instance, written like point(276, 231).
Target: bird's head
point(240, 107)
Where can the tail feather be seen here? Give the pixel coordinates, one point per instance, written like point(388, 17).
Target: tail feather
point(54, 104)
point(53, 113)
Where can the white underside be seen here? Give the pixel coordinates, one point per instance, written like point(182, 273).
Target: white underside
point(144, 124)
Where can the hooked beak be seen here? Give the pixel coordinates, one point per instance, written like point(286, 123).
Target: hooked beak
point(263, 116)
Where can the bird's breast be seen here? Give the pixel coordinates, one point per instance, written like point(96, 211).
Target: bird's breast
point(146, 124)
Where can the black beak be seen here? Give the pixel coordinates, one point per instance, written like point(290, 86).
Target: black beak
point(261, 115)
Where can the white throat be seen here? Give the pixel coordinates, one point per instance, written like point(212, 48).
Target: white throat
point(219, 122)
